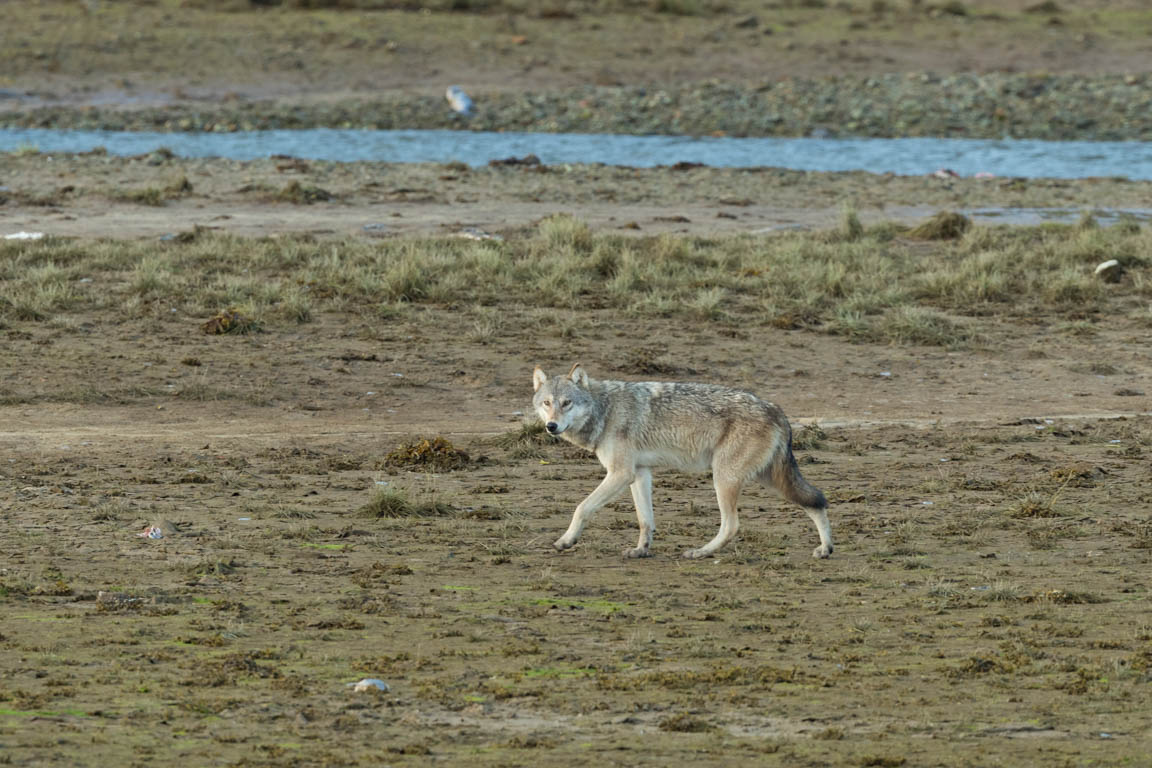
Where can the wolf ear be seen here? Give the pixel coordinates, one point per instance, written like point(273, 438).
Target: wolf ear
point(578, 376)
point(538, 378)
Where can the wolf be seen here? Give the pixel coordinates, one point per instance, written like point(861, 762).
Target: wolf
point(635, 427)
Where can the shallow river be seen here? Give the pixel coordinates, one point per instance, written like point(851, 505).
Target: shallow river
point(966, 157)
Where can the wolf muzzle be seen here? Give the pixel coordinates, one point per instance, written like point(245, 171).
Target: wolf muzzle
point(552, 427)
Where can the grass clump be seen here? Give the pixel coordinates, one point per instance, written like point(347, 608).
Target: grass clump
point(229, 321)
point(392, 502)
point(436, 454)
point(976, 666)
point(527, 442)
point(920, 325)
point(945, 225)
point(567, 232)
point(809, 438)
point(685, 723)
point(154, 196)
point(302, 194)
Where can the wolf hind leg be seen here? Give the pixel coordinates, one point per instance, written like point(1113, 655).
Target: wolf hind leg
point(784, 475)
point(727, 495)
point(819, 516)
point(642, 496)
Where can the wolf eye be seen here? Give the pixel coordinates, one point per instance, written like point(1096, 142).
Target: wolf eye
point(546, 403)
point(565, 403)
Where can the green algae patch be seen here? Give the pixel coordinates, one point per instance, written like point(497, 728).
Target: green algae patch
point(603, 606)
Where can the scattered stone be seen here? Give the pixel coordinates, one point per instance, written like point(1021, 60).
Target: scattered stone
point(378, 230)
point(1128, 392)
point(1110, 271)
point(472, 233)
point(529, 159)
point(302, 194)
point(749, 22)
point(288, 163)
point(117, 599)
point(187, 236)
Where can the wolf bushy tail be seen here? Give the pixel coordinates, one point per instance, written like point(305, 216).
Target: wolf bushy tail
point(784, 475)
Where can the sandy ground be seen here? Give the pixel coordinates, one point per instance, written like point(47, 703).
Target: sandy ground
point(99, 196)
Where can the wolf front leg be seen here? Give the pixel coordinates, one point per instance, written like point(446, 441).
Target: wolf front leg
point(610, 487)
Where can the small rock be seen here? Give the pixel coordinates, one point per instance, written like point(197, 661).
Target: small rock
point(472, 233)
point(478, 709)
point(749, 22)
point(529, 159)
point(1110, 271)
point(117, 599)
point(378, 230)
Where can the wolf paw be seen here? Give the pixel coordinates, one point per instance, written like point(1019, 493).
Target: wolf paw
point(696, 554)
point(563, 543)
point(822, 551)
point(638, 552)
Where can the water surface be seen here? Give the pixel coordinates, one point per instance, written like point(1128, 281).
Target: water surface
point(966, 157)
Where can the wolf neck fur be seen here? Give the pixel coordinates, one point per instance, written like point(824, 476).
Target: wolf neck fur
point(588, 435)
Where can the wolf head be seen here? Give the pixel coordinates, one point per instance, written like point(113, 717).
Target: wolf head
point(562, 402)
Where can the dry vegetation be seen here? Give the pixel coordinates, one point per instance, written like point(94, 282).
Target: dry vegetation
point(879, 284)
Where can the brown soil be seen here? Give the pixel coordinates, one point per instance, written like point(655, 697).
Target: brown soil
point(987, 596)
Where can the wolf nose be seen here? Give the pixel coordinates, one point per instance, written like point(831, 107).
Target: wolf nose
point(551, 427)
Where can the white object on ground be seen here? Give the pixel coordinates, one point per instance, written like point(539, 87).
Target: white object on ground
point(369, 684)
point(1109, 271)
point(151, 532)
point(458, 100)
point(24, 236)
point(472, 233)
